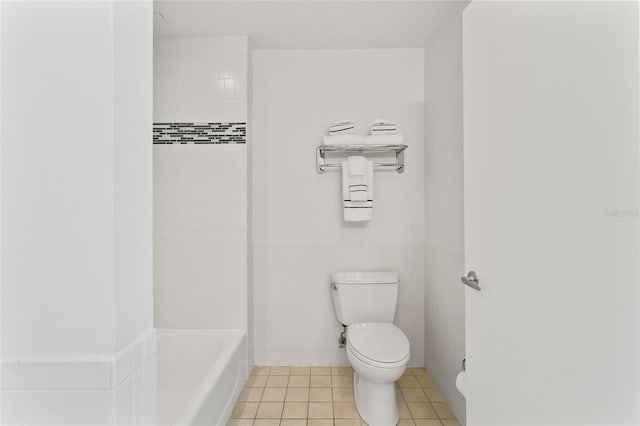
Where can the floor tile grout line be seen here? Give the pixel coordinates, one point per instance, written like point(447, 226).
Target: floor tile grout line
point(332, 387)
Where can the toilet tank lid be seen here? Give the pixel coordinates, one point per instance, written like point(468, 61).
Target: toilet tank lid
point(364, 277)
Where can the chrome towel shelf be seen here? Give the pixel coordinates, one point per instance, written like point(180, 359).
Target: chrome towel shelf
point(398, 150)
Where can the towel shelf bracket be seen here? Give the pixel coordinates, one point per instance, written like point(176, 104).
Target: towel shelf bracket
point(398, 150)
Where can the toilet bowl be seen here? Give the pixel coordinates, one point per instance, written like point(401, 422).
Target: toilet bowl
point(379, 353)
point(365, 303)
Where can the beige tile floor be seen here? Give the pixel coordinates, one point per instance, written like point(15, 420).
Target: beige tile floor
point(323, 396)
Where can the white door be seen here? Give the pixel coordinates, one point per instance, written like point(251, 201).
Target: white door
point(551, 213)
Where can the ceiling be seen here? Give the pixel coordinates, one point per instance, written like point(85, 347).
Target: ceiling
point(300, 24)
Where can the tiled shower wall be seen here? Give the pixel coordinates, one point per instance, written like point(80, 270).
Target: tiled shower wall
point(200, 79)
point(200, 185)
point(200, 236)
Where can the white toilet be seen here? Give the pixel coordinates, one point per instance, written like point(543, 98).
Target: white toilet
point(365, 302)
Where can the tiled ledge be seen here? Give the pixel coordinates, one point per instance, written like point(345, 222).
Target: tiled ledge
point(77, 373)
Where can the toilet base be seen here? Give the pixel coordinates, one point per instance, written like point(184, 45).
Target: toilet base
point(376, 402)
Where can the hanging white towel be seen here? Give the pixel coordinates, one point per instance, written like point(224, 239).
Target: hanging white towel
point(357, 189)
point(358, 182)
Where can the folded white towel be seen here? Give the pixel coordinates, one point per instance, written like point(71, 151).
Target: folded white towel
point(383, 139)
point(357, 189)
point(382, 126)
point(385, 131)
point(341, 123)
point(342, 128)
point(343, 140)
point(377, 121)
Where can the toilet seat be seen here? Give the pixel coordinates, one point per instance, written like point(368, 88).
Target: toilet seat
point(378, 344)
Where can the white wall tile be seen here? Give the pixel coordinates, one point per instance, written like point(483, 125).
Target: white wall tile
point(63, 408)
point(148, 405)
point(57, 191)
point(9, 374)
point(132, 402)
point(43, 374)
point(79, 202)
point(123, 365)
point(138, 398)
point(133, 187)
point(123, 403)
point(200, 246)
point(200, 79)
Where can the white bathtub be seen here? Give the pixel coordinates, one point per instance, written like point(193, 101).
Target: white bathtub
point(200, 375)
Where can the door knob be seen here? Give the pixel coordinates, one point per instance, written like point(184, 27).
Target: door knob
point(472, 280)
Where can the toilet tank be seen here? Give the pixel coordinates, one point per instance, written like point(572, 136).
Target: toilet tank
point(364, 296)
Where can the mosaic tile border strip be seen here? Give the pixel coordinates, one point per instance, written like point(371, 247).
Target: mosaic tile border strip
point(199, 133)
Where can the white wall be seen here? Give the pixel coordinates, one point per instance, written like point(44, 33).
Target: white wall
point(444, 246)
point(200, 79)
point(200, 191)
point(200, 236)
point(249, 197)
point(57, 183)
point(76, 212)
point(299, 236)
point(133, 170)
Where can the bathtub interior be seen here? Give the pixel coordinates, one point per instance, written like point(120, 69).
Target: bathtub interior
point(200, 375)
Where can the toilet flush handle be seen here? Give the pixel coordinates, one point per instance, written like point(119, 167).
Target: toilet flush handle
point(471, 280)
